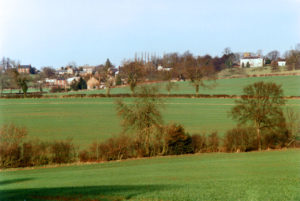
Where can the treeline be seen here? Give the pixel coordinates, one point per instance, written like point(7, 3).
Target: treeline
point(16, 150)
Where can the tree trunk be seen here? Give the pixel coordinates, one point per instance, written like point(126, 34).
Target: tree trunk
point(197, 90)
point(258, 136)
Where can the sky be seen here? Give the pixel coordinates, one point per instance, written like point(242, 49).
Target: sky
point(57, 32)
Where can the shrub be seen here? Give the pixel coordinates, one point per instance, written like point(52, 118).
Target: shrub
point(56, 89)
point(115, 148)
point(240, 139)
point(177, 141)
point(63, 151)
point(35, 153)
point(213, 142)
point(199, 143)
point(11, 138)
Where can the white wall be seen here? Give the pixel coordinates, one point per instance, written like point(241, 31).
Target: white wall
point(257, 62)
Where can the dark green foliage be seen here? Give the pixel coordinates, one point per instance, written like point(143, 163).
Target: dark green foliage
point(79, 85)
point(118, 80)
point(248, 64)
point(177, 141)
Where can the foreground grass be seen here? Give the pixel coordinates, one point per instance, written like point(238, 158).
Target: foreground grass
point(89, 119)
point(252, 176)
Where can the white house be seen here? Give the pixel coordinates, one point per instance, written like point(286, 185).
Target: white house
point(281, 63)
point(161, 68)
point(252, 61)
point(71, 79)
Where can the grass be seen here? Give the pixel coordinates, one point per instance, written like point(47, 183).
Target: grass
point(290, 85)
point(89, 119)
point(251, 176)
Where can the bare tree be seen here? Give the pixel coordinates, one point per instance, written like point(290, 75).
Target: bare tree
point(143, 116)
point(134, 73)
point(261, 106)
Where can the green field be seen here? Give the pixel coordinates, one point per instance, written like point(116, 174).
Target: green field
point(256, 176)
point(290, 85)
point(89, 119)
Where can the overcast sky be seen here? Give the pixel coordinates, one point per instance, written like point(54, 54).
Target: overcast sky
point(56, 32)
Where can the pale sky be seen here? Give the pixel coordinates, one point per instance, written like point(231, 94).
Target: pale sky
point(56, 32)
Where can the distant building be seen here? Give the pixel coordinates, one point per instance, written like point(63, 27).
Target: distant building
point(60, 82)
point(161, 68)
point(88, 70)
point(252, 61)
point(71, 79)
point(281, 63)
point(24, 68)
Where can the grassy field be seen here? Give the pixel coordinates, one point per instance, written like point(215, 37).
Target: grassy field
point(268, 176)
point(89, 119)
point(290, 85)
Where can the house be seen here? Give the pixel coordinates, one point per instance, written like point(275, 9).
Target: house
point(71, 79)
point(60, 82)
point(88, 70)
point(24, 68)
point(61, 72)
point(93, 83)
point(161, 68)
point(50, 82)
point(70, 71)
point(251, 61)
point(281, 63)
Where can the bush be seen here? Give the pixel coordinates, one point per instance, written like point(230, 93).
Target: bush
point(240, 139)
point(116, 148)
point(35, 153)
point(177, 141)
point(63, 151)
point(11, 138)
point(56, 89)
point(199, 143)
point(213, 142)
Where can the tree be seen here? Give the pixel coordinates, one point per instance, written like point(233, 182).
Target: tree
point(261, 106)
point(293, 59)
point(48, 72)
point(200, 73)
point(248, 64)
point(143, 116)
point(134, 73)
point(4, 81)
point(78, 85)
point(22, 82)
point(273, 55)
point(293, 124)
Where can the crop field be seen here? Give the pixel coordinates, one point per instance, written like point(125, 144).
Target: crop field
point(89, 119)
point(255, 176)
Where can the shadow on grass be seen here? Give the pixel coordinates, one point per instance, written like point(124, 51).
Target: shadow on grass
point(87, 193)
point(12, 181)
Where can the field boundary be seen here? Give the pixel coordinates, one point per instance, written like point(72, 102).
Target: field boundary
point(126, 95)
